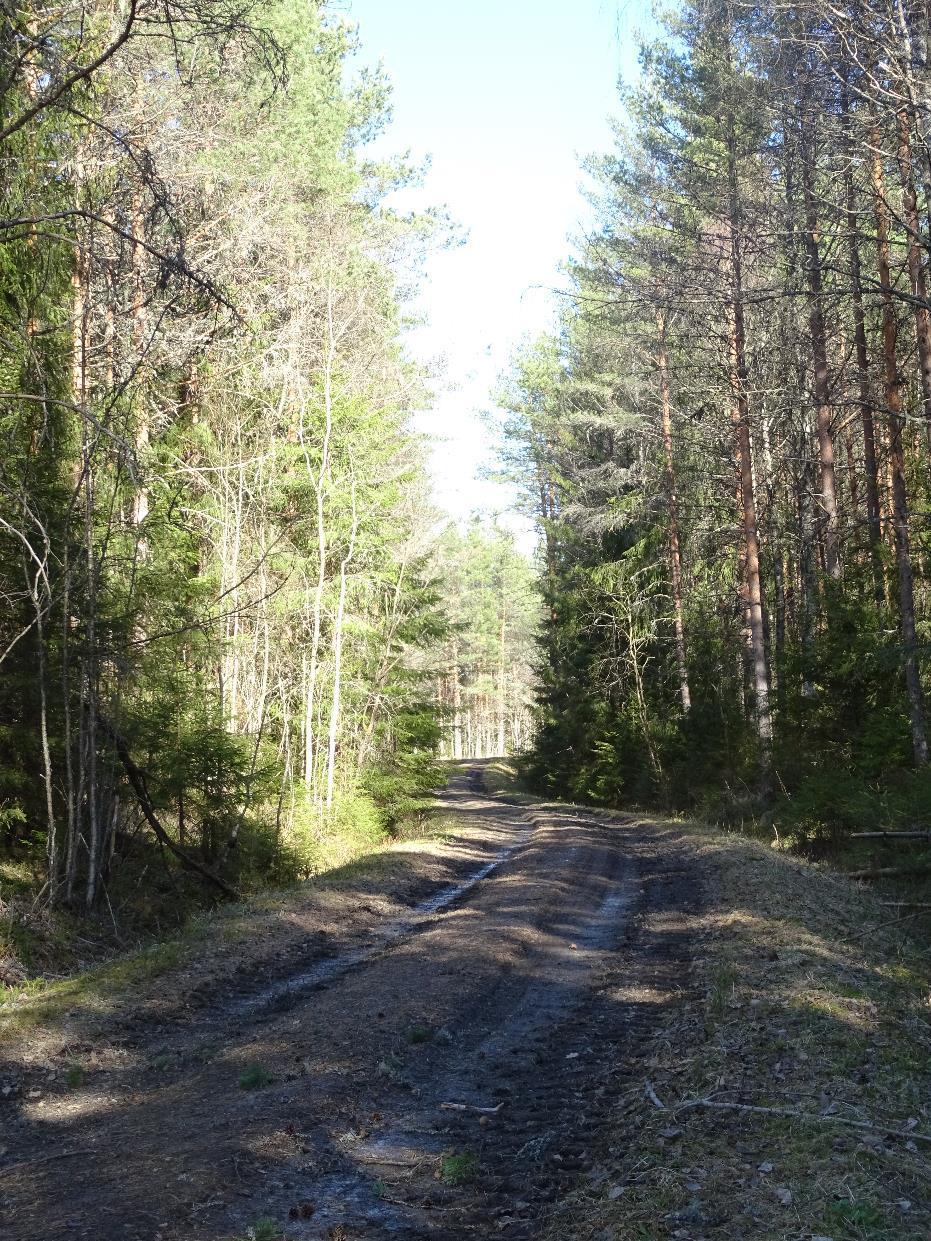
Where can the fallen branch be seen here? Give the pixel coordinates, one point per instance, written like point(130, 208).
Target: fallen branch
point(136, 778)
point(881, 926)
point(894, 872)
point(31, 1163)
point(792, 1114)
point(890, 835)
point(470, 1107)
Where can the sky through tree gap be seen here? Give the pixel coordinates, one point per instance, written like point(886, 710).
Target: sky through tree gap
point(505, 99)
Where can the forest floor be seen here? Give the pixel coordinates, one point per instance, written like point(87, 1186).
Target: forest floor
point(551, 1023)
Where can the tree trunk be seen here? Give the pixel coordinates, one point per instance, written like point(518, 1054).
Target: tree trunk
point(674, 552)
point(870, 470)
point(142, 428)
point(457, 704)
point(502, 671)
point(893, 395)
point(338, 631)
point(740, 418)
point(778, 556)
point(823, 411)
point(916, 271)
point(320, 481)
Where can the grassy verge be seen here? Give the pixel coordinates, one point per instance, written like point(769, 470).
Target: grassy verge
point(854, 825)
point(813, 1005)
point(62, 983)
point(787, 1096)
point(502, 776)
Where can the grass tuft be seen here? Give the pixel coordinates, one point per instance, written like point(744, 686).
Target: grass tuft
point(264, 1229)
point(74, 1078)
point(458, 1168)
point(255, 1077)
point(417, 1035)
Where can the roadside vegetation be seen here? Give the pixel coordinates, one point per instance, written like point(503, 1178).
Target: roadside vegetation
point(786, 1093)
point(220, 609)
point(232, 633)
point(92, 981)
point(725, 445)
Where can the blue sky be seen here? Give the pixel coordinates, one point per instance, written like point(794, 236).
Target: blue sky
point(505, 98)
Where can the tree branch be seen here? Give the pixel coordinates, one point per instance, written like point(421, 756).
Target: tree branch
point(136, 778)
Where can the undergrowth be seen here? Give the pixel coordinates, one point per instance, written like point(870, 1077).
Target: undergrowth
point(810, 1000)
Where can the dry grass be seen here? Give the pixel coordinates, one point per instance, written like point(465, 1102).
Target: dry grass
point(807, 1001)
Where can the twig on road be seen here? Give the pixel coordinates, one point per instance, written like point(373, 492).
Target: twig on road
point(30, 1163)
point(654, 1097)
point(793, 1114)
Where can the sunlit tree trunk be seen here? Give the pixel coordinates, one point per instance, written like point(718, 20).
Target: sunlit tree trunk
point(740, 419)
point(916, 270)
point(338, 633)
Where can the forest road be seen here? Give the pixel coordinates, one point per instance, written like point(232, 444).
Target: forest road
point(449, 1078)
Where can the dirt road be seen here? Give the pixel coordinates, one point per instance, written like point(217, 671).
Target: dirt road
point(447, 1076)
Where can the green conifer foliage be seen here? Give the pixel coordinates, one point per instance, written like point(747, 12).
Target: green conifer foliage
point(218, 596)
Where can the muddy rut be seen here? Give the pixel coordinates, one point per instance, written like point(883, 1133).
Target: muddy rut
point(448, 1076)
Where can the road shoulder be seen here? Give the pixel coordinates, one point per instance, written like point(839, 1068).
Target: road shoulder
point(786, 1093)
point(236, 949)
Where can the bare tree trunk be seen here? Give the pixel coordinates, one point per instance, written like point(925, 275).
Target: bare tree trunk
point(548, 515)
point(89, 692)
point(779, 586)
point(457, 703)
point(632, 642)
point(916, 271)
point(672, 516)
point(870, 470)
point(70, 861)
point(824, 413)
point(338, 630)
point(502, 667)
point(41, 601)
point(893, 396)
point(320, 480)
point(740, 418)
point(142, 429)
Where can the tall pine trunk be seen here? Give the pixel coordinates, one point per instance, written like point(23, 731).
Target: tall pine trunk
point(673, 546)
point(916, 270)
point(893, 395)
point(823, 411)
point(740, 419)
point(861, 349)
